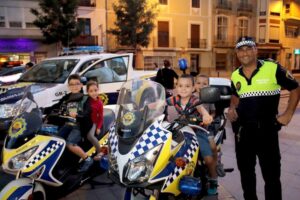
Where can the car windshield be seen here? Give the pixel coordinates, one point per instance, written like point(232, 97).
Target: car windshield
point(50, 71)
point(140, 102)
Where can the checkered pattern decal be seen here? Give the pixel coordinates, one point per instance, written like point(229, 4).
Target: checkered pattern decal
point(260, 93)
point(189, 155)
point(113, 139)
point(51, 147)
point(152, 137)
point(245, 42)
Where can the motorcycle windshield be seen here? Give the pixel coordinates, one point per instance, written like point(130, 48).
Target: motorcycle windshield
point(26, 123)
point(139, 103)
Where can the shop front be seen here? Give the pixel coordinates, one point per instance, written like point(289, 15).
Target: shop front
point(15, 52)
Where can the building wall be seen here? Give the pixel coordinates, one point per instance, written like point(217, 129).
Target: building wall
point(180, 16)
point(19, 40)
point(235, 11)
point(25, 42)
point(285, 20)
point(97, 15)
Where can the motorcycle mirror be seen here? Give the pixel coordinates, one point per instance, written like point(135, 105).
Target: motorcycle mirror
point(30, 96)
point(209, 95)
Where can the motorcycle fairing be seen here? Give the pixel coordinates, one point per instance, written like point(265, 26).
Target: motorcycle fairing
point(113, 139)
point(17, 192)
point(8, 154)
point(46, 158)
point(153, 136)
point(20, 189)
point(191, 147)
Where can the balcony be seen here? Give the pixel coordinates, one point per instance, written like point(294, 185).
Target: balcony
point(197, 43)
point(87, 3)
point(224, 4)
point(86, 40)
point(292, 18)
point(244, 7)
point(164, 43)
point(224, 42)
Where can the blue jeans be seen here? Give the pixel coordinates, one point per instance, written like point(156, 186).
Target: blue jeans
point(71, 134)
point(203, 141)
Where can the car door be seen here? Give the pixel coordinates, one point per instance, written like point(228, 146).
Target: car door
point(110, 73)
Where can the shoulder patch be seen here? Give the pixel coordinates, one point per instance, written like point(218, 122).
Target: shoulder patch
point(238, 86)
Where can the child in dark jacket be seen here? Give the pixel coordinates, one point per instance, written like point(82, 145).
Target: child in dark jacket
point(96, 106)
point(69, 105)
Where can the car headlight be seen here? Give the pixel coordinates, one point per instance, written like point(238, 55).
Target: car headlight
point(140, 168)
point(7, 110)
point(11, 110)
point(19, 160)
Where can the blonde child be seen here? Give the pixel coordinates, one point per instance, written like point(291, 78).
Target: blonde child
point(96, 106)
point(185, 100)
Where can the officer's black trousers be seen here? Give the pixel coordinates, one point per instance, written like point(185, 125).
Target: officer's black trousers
point(262, 141)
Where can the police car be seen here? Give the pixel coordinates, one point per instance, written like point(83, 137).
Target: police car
point(49, 80)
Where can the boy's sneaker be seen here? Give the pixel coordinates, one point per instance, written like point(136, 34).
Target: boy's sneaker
point(220, 170)
point(87, 163)
point(212, 187)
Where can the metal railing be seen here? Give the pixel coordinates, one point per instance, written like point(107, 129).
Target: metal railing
point(164, 43)
point(227, 41)
point(245, 7)
point(87, 3)
point(86, 40)
point(197, 43)
point(224, 4)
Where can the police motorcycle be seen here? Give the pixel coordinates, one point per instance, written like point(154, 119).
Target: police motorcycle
point(152, 158)
point(39, 158)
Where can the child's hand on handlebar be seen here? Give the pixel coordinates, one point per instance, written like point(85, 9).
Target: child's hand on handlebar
point(207, 119)
point(73, 114)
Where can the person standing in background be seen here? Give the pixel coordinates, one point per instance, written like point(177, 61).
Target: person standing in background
point(166, 76)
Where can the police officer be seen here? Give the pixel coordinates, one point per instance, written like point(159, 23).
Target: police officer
point(256, 87)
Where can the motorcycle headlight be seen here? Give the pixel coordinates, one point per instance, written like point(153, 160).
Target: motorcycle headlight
point(19, 160)
point(140, 168)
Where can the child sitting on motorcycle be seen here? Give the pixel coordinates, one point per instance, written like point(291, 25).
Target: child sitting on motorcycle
point(71, 130)
point(185, 100)
point(96, 115)
point(202, 81)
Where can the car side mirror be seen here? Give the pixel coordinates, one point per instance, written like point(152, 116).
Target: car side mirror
point(209, 95)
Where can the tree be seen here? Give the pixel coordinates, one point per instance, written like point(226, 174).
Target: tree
point(134, 23)
point(57, 20)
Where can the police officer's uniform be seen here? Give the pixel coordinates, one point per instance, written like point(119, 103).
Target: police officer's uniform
point(258, 131)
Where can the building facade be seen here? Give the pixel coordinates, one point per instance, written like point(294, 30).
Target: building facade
point(232, 19)
point(202, 32)
point(182, 30)
point(21, 41)
point(278, 26)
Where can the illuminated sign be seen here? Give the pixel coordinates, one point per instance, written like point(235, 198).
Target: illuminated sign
point(297, 51)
